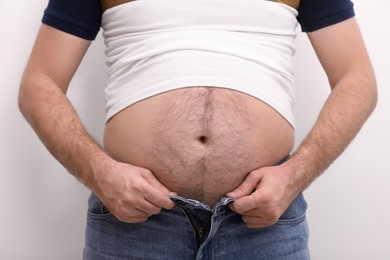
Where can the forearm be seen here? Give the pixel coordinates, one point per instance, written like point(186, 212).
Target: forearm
point(351, 102)
point(131, 193)
point(53, 118)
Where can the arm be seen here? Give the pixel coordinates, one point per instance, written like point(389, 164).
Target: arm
point(131, 193)
point(343, 55)
point(266, 193)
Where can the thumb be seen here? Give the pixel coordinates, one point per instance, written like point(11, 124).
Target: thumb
point(246, 187)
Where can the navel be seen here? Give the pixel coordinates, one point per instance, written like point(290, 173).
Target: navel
point(203, 139)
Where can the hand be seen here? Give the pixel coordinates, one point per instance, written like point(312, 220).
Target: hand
point(130, 193)
point(264, 196)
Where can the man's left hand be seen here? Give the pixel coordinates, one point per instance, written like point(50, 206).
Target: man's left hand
point(264, 196)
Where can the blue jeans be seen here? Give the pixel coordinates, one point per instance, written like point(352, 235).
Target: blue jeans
point(191, 230)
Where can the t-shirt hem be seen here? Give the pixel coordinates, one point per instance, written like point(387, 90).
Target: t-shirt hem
point(196, 81)
point(328, 21)
point(71, 28)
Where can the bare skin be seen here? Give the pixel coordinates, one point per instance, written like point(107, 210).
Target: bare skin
point(200, 142)
point(133, 193)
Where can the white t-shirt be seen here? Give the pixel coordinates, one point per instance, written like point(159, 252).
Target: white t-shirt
point(242, 45)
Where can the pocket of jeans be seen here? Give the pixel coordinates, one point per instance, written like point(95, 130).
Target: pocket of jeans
point(295, 214)
point(96, 208)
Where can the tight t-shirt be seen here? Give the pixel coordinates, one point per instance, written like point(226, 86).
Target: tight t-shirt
point(154, 46)
point(83, 17)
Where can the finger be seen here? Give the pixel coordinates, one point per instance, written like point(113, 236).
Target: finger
point(246, 187)
point(135, 220)
point(132, 216)
point(253, 220)
point(148, 209)
point(129, 219)
point(152, 180)
point(257, 222)
point(139, 213)
point(246, 204)
point(260, 225)
point(158, 198)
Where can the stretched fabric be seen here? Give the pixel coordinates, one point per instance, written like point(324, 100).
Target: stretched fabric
point(155, 46)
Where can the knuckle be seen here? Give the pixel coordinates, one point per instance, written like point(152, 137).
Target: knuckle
point(272, 221)
point(135, 186)
point(242, 189)
point(163, 202)
point(272, 217)
point(121, 214)
point(128, 203)
point(139, 218)
point(266, 198)
point(155, 211)
point(121, 217)
point(252, 175)
point(235, 207)
point(131, 218)
point(259, 203)
point(160, 201)
point(266, 193)
point(145, 172)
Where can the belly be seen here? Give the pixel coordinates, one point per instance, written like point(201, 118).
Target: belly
point(200, 142)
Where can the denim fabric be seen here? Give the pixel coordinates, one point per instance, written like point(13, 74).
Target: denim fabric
point(191, 230)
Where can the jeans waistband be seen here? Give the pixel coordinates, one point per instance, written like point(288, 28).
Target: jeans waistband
point(181, 201)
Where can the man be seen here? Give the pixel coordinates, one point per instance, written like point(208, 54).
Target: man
point(199, 125)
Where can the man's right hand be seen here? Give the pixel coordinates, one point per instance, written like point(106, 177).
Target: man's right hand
point(132, 194)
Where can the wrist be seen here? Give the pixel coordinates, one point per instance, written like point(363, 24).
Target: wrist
point(99, 166)
point(301, 170)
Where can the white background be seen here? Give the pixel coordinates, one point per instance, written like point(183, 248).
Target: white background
point(42, 207)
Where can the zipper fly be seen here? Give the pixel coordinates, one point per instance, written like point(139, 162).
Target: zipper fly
point(200, 231)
